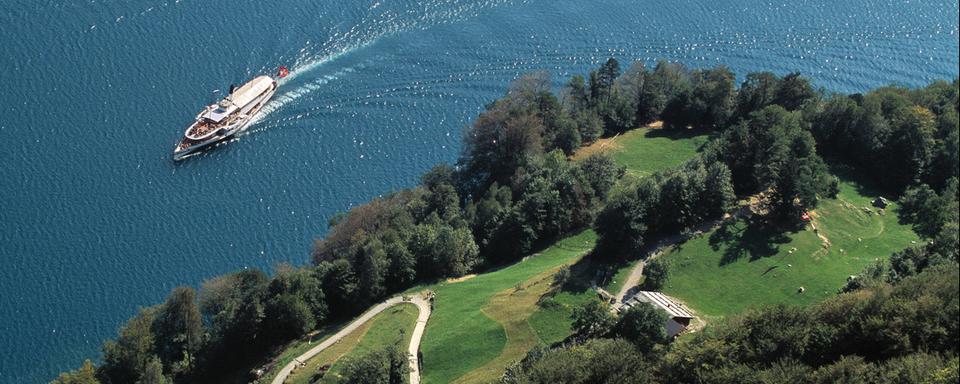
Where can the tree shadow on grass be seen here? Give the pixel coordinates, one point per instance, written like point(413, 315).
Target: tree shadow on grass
point(747, 238)
point(676, 134)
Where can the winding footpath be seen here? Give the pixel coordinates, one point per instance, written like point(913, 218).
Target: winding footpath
point(633, 280)
point(413, 351)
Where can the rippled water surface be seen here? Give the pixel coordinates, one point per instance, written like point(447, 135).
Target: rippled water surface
point(96, 220)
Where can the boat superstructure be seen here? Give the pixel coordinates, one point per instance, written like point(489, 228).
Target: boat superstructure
point(218, 122)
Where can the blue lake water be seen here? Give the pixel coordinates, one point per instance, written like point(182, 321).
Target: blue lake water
point(96, 220)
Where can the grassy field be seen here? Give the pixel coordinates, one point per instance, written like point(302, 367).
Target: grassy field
point(744, 264)
point(552, 319)
point(512, 308)
point(475, 323)
point(644, 151)
point(393, 325)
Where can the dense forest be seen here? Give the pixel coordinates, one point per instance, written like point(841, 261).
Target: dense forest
point(514, 190)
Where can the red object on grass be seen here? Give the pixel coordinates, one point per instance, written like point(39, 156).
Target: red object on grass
point(805, 216)
point(282, 72)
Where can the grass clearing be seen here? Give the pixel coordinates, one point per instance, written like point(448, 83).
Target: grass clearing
point(395, 324)
point(644, 151)
point(459, 337)
point(744, 264)
point(553, 318)
point(512, 308)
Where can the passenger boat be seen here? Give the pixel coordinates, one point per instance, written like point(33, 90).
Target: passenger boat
point(220, 121)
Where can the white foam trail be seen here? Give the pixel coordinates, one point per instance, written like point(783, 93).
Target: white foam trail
point(366, 32)
point(292, 95)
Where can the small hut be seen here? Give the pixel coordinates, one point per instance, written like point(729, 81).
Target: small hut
point(680, 316)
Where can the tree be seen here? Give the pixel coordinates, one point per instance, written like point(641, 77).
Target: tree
point(654, 275)
point(756, 92)
point(928, 211)
point(287, 316)
point(601, 173)
point(662, 85)
point(567, 137)
point(771, 150)
point(601, 81)
point(86, 374)
point(575, 95)
point(179, 330)
point(592, 320)
point(153, 373)
point(590, 126)
point(386, 366)
point(643, 325)
point(718, 185)
point(630, 85)
point(597, 361)
point(125, 359)
point(340, 284)
point(793, 91)
point(498, 142)
point(911, 148)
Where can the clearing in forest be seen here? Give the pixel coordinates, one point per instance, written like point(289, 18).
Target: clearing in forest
point(745, 264)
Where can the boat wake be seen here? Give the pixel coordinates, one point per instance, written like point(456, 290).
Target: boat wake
point(378, 21)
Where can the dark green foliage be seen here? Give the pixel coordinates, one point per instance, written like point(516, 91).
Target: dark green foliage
point(771, 151)
point(655, 275)
point(928, 211)
point(179, 330)
point(664, 203)
point(595, 362)
point(153, 373)
point(870, 276)
point(756, 92)
point(387, 366)
point(793, 92)
point(591, 320)
point(621, 225)
point(125, 359)
point(86, 374)
point(900, 137)
point(643, 325)
point(513, 190)
point(601, 173)
point(708, 103)
point(662, 85)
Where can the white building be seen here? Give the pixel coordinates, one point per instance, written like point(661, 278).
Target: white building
point(680, 316)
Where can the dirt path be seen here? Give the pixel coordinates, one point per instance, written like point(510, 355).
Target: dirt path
point(657, 249)
point(422, 304)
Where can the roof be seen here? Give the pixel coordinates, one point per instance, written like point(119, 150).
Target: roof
point(249, 91)
point(663, 302)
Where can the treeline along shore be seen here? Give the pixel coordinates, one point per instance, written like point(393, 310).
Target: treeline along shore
point(515, 190)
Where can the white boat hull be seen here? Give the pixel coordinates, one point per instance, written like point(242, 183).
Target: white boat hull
point(248, 116)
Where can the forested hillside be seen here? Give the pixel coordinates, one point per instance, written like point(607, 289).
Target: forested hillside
point(514, 191)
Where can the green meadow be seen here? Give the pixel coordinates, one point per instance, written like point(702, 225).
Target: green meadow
point(467, 331)
point(644, 151)
point(744, 264)
point(392, 326)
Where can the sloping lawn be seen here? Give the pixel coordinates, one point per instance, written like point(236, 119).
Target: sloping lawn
point(642, 151)
point(553, 318)
point(460, 337)
point(393, 325)
point(645, 151)
point(744, 264)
